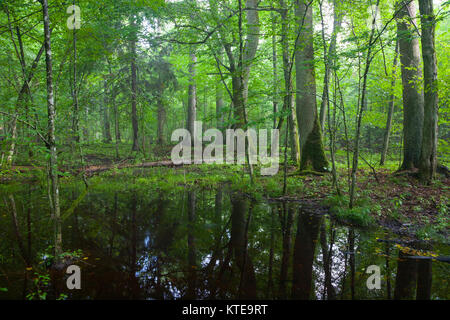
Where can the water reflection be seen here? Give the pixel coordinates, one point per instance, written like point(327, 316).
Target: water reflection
point(205, 244)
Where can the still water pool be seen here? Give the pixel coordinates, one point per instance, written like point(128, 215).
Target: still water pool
point(204, 244)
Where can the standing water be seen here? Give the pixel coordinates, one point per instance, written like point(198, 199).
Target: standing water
point(205, 244)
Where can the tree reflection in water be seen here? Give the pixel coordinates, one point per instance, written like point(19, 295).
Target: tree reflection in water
point(208, 244)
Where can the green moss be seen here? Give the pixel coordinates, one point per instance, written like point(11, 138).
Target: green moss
point(313, 154)
point(360, 215)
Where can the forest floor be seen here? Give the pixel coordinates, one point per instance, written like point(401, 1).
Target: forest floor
point(385, 197)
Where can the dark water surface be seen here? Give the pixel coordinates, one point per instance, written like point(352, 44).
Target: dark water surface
point(204, 244)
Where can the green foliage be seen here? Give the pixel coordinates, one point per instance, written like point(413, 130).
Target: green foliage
point(41, 283)
point(360, 214)
point(442, 218)
point(48, 257)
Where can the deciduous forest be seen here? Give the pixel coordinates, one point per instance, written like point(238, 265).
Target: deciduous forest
point(347, 100)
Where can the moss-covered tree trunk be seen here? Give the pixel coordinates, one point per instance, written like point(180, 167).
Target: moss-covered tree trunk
point(311, 146)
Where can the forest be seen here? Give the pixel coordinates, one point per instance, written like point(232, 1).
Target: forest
point(224, 149)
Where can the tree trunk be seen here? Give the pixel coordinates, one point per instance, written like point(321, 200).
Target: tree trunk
point(12, 147)
point(329, 58)
point(76, 110)
point(106, 125)
point(53, 165)
point(288, 94)
point(219, 106)
point(116, 122)
point(275, 71)
point(428, 160)
point(361, 108)
point(192, 96)
point(424, 279)
point(161, 119)
point(25, 90)
point(241, 71)
point(134, 118)
point(405, 281)
point(412, 97)
point(251, 44)
point(311, 146)
point(387, 132)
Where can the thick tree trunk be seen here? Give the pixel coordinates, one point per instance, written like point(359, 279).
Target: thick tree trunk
point(412, 96)
point(387, 132)
point(428, 160)
point(240, 69)
point(311, 146)
point(405, 281)
point(251, 43)
point(424, 279)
